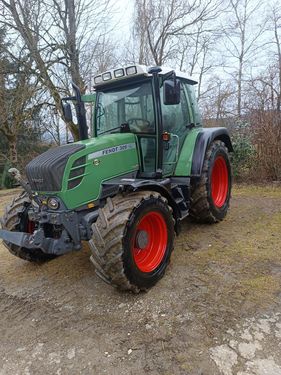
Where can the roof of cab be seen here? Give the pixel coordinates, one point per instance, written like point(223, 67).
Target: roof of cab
point(130, 71)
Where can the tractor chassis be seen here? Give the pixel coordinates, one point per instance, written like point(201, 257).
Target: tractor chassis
point(76, 225)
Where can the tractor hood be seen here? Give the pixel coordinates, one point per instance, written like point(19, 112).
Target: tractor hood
point(45, 172)
point(75, 172)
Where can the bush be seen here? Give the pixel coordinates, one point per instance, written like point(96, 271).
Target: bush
point(243, 157)
point(266, 135)
point(9, 182)
point(257, 147)
point(6, 181)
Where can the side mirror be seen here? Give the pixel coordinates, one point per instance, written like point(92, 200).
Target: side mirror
point(66, 110)
point(172, 91)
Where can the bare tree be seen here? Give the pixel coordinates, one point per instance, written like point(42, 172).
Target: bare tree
point(263, 90)
point(218, 101)
point(242, 40)
point(196, 52)
point(275, 27)
point(160, 22)
point(56, 33)
point(17, 98)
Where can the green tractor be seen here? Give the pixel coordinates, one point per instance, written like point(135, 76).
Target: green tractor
point(148, 166)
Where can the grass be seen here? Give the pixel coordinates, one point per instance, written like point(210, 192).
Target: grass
point(237, 263)
point(266, 190)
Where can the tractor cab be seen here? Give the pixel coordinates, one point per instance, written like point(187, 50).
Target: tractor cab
point(156, 104)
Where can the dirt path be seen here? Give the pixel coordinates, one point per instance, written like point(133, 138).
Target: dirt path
point(215, 312)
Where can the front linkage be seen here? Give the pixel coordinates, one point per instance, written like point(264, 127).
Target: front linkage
point(58, 246)
point(71, 227)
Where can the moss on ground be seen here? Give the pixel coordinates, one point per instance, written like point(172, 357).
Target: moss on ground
point(236, 264)
point(267, 190)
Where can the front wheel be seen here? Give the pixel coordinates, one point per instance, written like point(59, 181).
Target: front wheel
point(132, 240)
point(211, 195)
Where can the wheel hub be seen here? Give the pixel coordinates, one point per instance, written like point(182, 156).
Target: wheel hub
point(150, 241)
point(142, 239)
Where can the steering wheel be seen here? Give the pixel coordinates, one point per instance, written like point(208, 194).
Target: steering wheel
point(138, 124)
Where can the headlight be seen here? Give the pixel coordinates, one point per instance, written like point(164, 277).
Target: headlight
point(131, 70)
point(53, 203)
point(119, 73)
point(106, 76)
point(98, 79)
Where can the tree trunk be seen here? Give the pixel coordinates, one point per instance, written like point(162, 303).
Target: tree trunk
point(279, 65)
point(13, 152)
point(239, 93)
point(71, 34)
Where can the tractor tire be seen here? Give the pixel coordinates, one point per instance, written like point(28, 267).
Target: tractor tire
point(15, 219)
point(210, 196)
point(132, 241)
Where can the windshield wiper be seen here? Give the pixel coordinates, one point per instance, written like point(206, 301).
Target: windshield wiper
point(124, 128)
point(109, 130)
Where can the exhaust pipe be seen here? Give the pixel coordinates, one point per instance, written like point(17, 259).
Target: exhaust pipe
point(80, 111)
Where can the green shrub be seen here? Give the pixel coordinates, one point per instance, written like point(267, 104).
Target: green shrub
point(244, 153)
point(9, 182)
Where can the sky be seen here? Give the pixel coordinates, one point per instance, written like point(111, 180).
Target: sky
point(123, 17)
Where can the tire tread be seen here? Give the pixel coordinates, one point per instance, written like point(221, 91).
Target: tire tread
point(200, 209)
point(107, 241)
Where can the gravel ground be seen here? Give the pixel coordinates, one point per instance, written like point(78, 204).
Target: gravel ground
point(216, 311)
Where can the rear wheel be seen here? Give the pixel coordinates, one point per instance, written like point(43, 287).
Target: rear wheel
point(210, 196)
point(132, 240)
point(15, 219)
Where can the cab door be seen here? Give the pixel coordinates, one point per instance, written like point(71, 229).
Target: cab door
point(140, 116)
point(176, 120)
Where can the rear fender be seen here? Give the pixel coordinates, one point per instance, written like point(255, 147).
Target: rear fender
point(203, 140)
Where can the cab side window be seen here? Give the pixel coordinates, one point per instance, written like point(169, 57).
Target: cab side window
point(193, 104)
point(176, 117)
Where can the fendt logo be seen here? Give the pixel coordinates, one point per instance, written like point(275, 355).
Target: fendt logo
point(112, 150)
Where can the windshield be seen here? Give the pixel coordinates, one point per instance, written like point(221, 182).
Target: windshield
point(132, 106)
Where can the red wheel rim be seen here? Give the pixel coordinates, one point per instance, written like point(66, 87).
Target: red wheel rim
point(150, 241)
point(219, 182)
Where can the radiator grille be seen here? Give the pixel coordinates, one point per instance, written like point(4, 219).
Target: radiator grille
point(45, 172)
